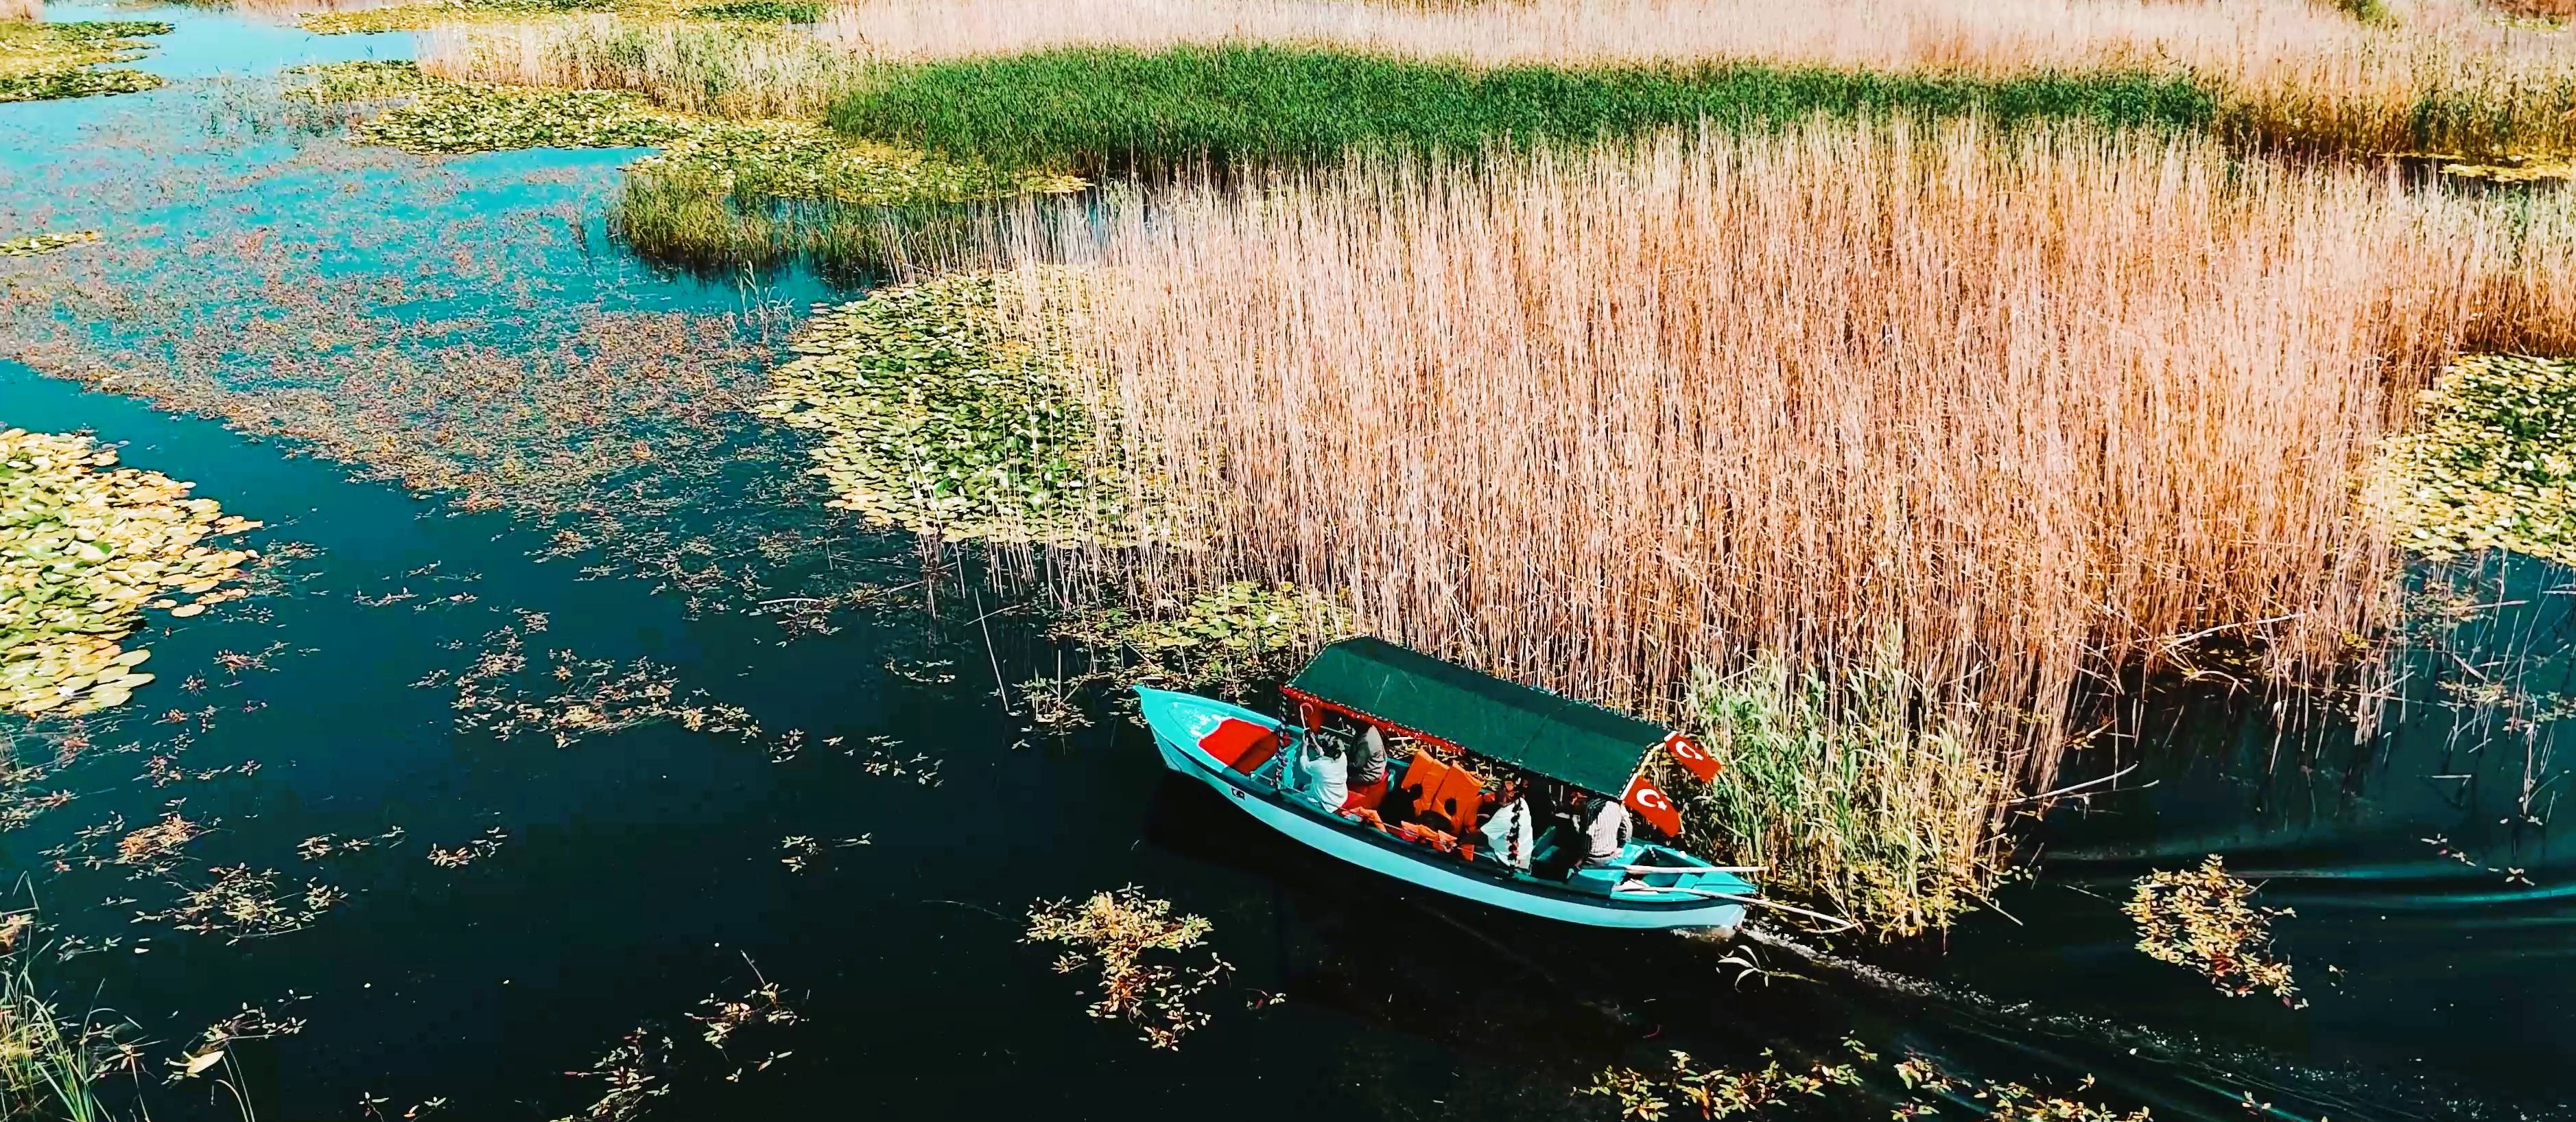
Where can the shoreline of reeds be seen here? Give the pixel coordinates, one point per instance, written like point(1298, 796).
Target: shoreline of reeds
point(1612, 419)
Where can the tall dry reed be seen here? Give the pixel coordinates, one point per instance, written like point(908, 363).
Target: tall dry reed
point(28, 10)
point(2021, 410)
point(2303, 74)
point(729, 70)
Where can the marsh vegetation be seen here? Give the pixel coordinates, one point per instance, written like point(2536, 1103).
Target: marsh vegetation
point(44, 61)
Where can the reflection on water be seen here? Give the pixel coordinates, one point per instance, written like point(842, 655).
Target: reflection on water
point(594, 895)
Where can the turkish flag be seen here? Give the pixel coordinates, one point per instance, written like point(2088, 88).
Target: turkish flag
point(1692, 756)
point(1652, 804)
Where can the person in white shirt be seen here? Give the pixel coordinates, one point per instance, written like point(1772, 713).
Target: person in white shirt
point(1608, 831)
point(1327, 774)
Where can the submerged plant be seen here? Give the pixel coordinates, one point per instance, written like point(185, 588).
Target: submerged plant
point(1114, 931)
point(85, 546)
point(2205, 919)
point(44, 61)
point(2493, 465)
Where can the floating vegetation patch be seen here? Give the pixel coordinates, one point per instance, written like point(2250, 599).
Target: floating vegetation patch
point(2005, 1101)
point(1227, 639)
point(472, 851)
point(85, 546)
point(2493, 465)
point(1114, 931)
point(413, 17)
point(779, 159)
point(952, 408)
point(240, 904)
point(45, 61)
point(1713, 1092)
point(321, 847)
point(648, 1063)
point(800, 852)
point(156, 848)
point(253, 1022)
point(45, 243)
point(2205, 919)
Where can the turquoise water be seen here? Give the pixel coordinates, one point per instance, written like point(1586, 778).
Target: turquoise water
point(258, 258)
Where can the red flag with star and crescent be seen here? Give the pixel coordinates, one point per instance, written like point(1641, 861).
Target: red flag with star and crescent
point(1652, 804)
point(1692, 756)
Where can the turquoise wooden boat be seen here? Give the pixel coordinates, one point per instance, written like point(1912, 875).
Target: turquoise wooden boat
point(1249, 759)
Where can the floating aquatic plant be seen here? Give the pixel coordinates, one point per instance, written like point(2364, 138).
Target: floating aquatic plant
point(1226, 638)
point(2205, 919)
point(85, 546)
point(2493, 465)
point(44, 61)
point(647, 1063)
point(239, 903)
point(1713, 1092)
point(1115, 930)
point(473, 850)
point(2001, 1101)
point(45, 243)
point(944, 414)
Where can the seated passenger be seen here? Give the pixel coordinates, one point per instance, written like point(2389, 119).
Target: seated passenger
point(1368, 768)
point(1507, 830)
point(1327, 774)
point(1607, 832)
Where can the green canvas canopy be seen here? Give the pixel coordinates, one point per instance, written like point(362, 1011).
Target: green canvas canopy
point(1585, 745)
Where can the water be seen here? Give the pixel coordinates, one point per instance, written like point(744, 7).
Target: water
point(641, 870)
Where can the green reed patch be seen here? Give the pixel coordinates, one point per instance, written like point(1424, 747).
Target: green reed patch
point(2493, 465)
point(2205, 919)
point(45, 61)
point(85, 546)
point(45, 243)
point(1847, 787)
point(413, 17)
point(1090, 108)
point(952, 408)
point(761, 11)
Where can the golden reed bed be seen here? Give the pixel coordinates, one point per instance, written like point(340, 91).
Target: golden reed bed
point(2029, 409)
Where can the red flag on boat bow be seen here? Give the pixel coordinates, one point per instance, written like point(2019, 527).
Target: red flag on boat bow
point(1652, 804)
point(1692, 756)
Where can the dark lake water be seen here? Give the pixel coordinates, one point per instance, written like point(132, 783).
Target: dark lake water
point(641, 870)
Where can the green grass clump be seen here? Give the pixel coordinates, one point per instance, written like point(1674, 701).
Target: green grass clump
point(761, 11)
point(45, 61)
point(1090, 108)
point(942, 412)
point(412, 17)
point(1847, 789)
point(2494, 465)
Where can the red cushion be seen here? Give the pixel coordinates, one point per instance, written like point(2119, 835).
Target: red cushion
point(1240, 744)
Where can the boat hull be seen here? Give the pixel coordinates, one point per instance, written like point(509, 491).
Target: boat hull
point(1178, 721)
